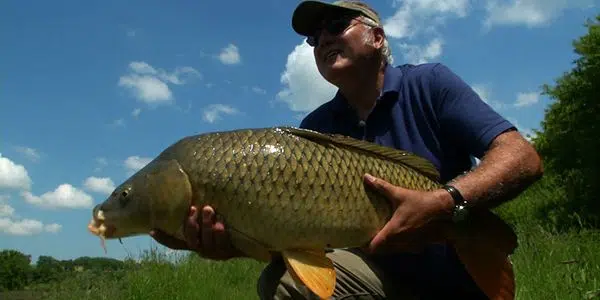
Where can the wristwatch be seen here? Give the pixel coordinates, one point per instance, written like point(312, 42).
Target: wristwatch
point(460, 210)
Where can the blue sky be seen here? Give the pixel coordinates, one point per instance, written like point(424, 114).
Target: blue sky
point(90, 92)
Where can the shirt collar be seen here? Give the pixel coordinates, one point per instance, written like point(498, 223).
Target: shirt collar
point(392, 82)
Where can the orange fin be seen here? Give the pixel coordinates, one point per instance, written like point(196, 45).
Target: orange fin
point(312, 269)
point(484, 244)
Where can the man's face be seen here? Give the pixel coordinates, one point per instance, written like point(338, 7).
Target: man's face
point(340, 44)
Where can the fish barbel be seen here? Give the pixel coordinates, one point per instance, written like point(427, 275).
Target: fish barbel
point(295, 192)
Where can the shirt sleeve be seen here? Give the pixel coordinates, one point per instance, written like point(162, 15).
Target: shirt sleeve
point(463, 116)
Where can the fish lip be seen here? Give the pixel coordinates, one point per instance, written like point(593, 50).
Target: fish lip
point(99, 227)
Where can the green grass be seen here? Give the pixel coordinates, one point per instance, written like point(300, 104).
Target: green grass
point(557, 258)
point(552, 262)
point(158, 276)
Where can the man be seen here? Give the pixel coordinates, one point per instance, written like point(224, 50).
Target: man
point(425, 109)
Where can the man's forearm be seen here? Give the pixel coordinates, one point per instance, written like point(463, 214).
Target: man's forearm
point(508, 168)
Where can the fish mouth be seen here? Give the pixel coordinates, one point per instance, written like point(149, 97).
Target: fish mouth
point(98, 227)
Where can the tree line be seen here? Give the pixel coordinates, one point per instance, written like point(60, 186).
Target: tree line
point(569, 137)
point(17, 271)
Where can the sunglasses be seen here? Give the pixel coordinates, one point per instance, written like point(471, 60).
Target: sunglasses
point(333, 26)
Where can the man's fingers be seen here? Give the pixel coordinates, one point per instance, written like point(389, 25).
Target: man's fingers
point(387, 189)
point(208, 243)
point(380, 238)
point(168, 240)
point(191, 229)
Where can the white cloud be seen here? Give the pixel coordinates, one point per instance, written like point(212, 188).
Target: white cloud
point(485, 93)
point(482, 90)
point(148, 89)
point(213, 112)
point(64, 196)
point(136, 163)
point(527, 133)
point(415, 54)
point(179, 75)
point(53, 228)
point(101, 162)
point(12, 175)
point(118, 123)
point(230, 55)
point(5, 209)
point(103, 185)
point(30, 153)
point(150, 85)
point(527, 99)
point(142, 67)
point(9, 224)
point(304, 87)
point(414, 17)
point(136, 112)
point(174, 77)
point(26, 227)
point(131, 32)
point(258, 90)
point(530, 13)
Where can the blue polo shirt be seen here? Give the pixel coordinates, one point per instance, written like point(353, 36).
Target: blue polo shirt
point(430, 111)
point(425, 109)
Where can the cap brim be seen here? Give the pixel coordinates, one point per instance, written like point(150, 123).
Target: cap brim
point(309, 14)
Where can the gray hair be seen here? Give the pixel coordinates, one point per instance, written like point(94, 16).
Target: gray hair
point(385, 51)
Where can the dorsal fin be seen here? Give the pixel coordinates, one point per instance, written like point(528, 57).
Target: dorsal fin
point(399, 156)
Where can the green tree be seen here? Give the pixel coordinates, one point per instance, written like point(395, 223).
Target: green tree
point(15, 270)
point(569, 139)
point(48, 269)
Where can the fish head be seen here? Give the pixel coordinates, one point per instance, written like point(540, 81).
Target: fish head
point(121, 214)
point(156, 197)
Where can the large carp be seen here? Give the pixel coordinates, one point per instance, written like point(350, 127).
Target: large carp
point(294, 192)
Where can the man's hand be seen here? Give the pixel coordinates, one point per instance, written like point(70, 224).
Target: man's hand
point(208, 238)
point(416, 214)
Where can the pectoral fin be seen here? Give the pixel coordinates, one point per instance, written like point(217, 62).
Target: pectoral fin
point(312, 269)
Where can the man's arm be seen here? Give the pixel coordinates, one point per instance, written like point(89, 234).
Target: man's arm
point(509, 163)
point(509, 166)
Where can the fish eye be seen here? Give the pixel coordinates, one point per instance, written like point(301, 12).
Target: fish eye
point(124, 199)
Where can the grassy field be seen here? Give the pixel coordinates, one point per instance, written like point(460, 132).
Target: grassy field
point(549, 264)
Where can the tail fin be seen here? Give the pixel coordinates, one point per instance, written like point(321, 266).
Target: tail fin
point(484, 244)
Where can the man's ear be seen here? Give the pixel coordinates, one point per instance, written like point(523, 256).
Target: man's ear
point(379, 37)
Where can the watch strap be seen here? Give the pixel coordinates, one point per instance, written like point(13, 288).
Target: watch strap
point(456, 195)
point(460, 211)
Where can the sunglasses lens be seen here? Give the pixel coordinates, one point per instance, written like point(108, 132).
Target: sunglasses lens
point(336, 27)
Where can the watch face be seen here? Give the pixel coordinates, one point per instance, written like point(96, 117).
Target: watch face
point(460, 213)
